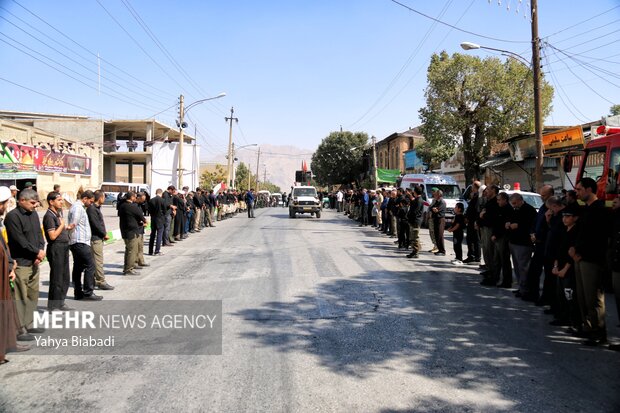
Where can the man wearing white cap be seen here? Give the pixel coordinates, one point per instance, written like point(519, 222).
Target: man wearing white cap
point(12, 204)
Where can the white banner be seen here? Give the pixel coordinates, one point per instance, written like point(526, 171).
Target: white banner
point(165, 165)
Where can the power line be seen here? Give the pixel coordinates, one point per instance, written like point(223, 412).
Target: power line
point(51, 97)
point(418, 70)
point(152, 88)
point(572, 26)
point(403, 67)
point(139, 45)
point(457, 28)
point(75, 61)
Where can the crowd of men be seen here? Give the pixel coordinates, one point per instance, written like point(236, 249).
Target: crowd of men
point(173, 215)
point(563, 255)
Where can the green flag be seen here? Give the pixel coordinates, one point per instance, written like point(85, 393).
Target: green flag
point(388, 175)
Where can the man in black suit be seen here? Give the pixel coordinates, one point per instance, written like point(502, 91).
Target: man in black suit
point(131, 221)
point(157, 210)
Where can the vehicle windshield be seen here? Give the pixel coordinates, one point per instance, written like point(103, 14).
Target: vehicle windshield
point(449, 191)
point(304, 192)
point(534, 200)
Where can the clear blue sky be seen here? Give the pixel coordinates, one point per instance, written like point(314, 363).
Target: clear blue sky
point(294, 70)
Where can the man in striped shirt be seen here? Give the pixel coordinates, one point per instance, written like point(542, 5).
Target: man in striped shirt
point(81, 250)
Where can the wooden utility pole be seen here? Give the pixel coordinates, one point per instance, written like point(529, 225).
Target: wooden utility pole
point(538, 121)
point(181, 121)
point(374, 162)
point(257, 166)
point(230, 155)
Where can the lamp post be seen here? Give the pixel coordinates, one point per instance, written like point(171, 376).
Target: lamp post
point(538, 124)
point(234, 170)
point(182, 125)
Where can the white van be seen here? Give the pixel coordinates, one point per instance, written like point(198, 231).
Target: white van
point(447, 184)
point(114, 188)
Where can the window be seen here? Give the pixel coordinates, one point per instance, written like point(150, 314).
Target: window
point(613, 173)
point(594, 164)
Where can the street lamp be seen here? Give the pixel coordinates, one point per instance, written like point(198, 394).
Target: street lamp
point(538, 132)
point(182, 124)
point(234, 170)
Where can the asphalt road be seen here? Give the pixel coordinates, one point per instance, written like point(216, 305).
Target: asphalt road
point(321, 315)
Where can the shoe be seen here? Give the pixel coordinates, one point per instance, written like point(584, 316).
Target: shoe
point(145, 265)
point(593, 342)
point(25, 337)
point(78, 295)
point(395, 242)
point(482, 268)
point(614, 347)
point(105, 286)
point(467, 260)
point(474, 262)
point(158, 254)
point(433, 250)
point(93, 297)
point(541, 303)
point(35, 330)
point(212, 226)
point(440, 254)
point(131, 272)
point(485, 272)
point(168, 245)
point(488, 283)
point(502, 285)
point(21, 348)
point(457, 262)
point(65, 307)
point(518, 294)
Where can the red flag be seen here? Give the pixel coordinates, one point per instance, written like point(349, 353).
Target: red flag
point(304, 167)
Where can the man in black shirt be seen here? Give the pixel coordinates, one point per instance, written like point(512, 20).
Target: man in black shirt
point(414, 216)
point(158, 211)
point(471, 217)
point(131, 220)
point(57, 236)
point(26, 245)
point(438, 215)
point(167, 197)
point(589, 255)
point(519, 239)
point(499, 237)
point(485, 224)
point(198, 203)
point(97, 238)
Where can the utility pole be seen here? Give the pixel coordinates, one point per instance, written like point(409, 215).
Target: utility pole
point(249, 176)
point(265, 174)
point(375, 173)
point(257, 166)
point(181, 120)
point(234, 172)
point(538, 122)
point(230, 147)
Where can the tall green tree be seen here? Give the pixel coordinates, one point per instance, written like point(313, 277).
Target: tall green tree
point(473, 103)
point(614, 110)
point(339, 158)
point(210, 179)
point(241, 177)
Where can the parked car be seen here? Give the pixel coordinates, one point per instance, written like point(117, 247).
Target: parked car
point(110, 199)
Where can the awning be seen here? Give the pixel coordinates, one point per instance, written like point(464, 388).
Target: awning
point(495, 162)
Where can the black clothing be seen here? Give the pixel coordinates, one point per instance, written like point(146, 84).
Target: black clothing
point(24, 233)
point(457, 235)
point(440, 204)
point(158, 210)
point(83, 261)
point(490, 207)
point(131, 220)
point(416, 211)
point(592, 241)
point(97, 224)
point(58, 258)
point(502, 215)
point(51, 221)
point(524, 217)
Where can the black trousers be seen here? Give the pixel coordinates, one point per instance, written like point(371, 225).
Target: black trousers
point(403, 233)
point(83, 262)
point(364, 214)
point(439, 224)
point(179, 224)
point(58, 258)
point(457, 243)
point(156, 237)
point(473, 243)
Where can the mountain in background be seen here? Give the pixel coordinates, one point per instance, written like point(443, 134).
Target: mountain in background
point(281, 162)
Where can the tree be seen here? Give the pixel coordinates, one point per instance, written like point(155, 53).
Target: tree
point(339, 158)
point(209, 179)
point(473, 103)
point(241, 177)
point(268, 186)
point(614, 110)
